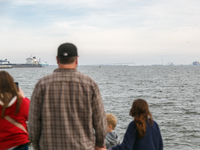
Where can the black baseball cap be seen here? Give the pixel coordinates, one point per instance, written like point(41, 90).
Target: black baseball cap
point(67, 50)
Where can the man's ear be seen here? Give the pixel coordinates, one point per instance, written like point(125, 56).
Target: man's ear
point(57, 59)
point(76, 61)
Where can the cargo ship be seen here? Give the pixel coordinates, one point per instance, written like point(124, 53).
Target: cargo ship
point(31, 62)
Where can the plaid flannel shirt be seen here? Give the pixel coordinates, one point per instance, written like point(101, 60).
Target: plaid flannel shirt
point(66, 108)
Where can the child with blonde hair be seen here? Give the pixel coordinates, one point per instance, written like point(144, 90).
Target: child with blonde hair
point(111, 137)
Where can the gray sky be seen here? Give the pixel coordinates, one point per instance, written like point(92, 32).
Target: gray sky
point(104, 31)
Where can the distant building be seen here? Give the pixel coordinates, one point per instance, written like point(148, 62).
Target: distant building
point(196, 63)
point(170, 64)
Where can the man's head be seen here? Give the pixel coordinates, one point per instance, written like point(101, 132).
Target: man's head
point(111, 122)
point(67, 54)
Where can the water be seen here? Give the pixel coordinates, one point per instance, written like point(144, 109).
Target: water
point(172, 92)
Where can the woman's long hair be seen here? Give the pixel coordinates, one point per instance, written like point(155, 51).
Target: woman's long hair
point(140, 112)
point(8, 90)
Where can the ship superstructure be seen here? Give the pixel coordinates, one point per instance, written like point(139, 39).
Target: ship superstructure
point(5, 64)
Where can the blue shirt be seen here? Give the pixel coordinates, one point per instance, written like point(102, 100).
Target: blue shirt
point(151, 141)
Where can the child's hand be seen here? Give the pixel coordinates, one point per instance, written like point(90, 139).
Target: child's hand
point(100, 148)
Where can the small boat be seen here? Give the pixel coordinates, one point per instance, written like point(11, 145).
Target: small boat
point(45, 64)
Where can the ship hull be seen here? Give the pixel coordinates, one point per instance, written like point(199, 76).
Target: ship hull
point(24, 65)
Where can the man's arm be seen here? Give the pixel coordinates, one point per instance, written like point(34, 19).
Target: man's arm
point(34, 119)
point(99, 118)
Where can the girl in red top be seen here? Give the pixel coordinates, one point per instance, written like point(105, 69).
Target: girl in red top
point(16, 106)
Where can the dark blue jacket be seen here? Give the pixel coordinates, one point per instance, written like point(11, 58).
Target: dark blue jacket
point(151, 141)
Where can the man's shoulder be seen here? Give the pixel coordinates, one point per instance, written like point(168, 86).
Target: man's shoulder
point(46, 78)
point(73, 76)
point(85, 79)
point(84, 76)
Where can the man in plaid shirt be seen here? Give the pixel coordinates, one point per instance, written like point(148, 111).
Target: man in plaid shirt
point(66, 109)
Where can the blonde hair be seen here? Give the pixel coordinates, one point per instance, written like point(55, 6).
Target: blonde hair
point(111, 120)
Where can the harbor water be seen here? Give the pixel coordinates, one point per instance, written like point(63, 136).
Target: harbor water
point(172, 92)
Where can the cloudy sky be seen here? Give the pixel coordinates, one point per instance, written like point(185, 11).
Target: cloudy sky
point(143, 32)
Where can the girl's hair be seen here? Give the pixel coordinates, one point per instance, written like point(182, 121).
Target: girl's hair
point(8, 90)
point(140, 112)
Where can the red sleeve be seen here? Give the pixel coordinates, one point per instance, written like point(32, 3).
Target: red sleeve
point(25, 107)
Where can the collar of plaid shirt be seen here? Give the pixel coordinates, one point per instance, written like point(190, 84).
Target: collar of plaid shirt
point(65, 70)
